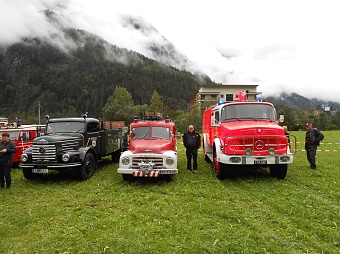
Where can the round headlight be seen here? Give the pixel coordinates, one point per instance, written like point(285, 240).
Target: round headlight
point(271, 151)
point(126, 160)
point(65, 157)
point(23, 157)
point(249, 151)
point(169, 161)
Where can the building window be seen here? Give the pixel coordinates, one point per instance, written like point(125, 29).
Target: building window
point(221, 96)
point(202, 97)
point(213, 96)
point(229, 97)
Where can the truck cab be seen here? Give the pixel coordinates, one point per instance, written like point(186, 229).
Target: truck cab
point(22, 136)
point(73, 142)
point(245, 134)
point(152, 149)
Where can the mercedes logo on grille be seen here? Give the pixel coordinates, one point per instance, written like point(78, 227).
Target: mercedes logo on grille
point(42, 150)
point(259, 144)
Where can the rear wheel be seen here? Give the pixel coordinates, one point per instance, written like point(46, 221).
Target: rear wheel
point(278, 171)
point(88, 167)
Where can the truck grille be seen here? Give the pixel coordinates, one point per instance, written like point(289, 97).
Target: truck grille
point(44, 153)
point(260, 145)
point(69, 145)
point(156, 160)
point(48, 152)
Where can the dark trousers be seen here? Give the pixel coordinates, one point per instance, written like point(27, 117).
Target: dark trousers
point(191, 154)
point(5, 174)
point(311, 153)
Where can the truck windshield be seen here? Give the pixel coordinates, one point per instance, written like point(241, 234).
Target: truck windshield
point(248, 112)
point(156, 131)
point(141, 132)
point(161, 132)
point(65, 127)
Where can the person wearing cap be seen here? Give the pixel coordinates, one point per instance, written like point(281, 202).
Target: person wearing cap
point(313, 138)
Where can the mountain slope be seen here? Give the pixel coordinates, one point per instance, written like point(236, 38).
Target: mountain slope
point(82, 74)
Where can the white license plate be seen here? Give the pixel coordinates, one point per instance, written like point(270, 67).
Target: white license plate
point(167, 172)
point(260, 162)
point(39, 170)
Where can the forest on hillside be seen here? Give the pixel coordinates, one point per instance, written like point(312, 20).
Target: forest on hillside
point(81, 77)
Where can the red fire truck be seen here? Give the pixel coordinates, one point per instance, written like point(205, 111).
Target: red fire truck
point(22, 136)
point(243, 134)
point(152, 149)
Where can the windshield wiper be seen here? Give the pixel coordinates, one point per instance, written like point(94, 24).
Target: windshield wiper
point(231, 119)
point(144, 135)
point(77, 131)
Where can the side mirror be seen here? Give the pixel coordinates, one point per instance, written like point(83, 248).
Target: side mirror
point(281, 119)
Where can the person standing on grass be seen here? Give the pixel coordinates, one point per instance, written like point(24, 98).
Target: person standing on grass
point(7, 148)
point(313, 138)
point(192, 142)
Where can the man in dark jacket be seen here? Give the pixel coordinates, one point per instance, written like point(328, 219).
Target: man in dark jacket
point(313, 138)
point(192, 142)
point(7, 148)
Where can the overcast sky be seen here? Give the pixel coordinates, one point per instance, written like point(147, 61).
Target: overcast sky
point(290, 45)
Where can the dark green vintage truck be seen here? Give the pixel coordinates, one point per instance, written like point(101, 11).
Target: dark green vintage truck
point(74, 142)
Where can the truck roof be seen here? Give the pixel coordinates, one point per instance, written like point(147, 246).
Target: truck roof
point(152, 123)
point(74, 119)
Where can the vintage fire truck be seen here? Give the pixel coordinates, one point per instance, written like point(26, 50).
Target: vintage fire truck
point(152, 149)
point(242, 134)
point(74, 142)
point(22, 136)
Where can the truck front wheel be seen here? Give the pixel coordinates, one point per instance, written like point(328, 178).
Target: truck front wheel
point(220, 169)
point(129, 178)
point(278, 171)
point(28, 173)
point(88, 167)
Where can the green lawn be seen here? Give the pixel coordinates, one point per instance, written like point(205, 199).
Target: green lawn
point(195, 213)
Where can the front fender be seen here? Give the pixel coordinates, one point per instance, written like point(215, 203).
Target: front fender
point(83, 151)
point(218, 144)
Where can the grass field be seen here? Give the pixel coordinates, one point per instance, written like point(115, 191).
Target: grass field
point(195, 213)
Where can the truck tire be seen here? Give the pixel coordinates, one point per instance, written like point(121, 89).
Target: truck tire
point(278, 171)
point(88, 167)
point(28, 174)
point(129, 178)
point(220, 169)
point(115, 156)
point(169, 178)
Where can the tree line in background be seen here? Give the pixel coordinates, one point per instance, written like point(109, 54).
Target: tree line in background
point(120, 106)
point(295, 119)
